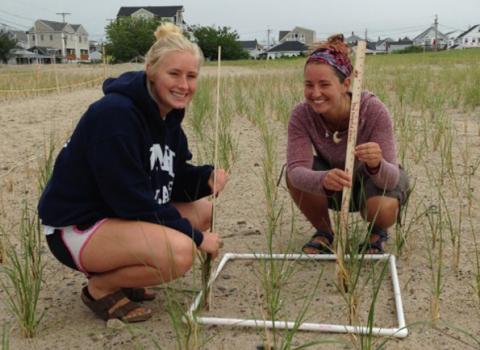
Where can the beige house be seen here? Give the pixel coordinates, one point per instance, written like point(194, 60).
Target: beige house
point(67, 42)
point(172, 14)
point(303, 35)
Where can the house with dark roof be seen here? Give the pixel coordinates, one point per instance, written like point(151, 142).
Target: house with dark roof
point(469, 38)
point(431, 38)
point(286, 49)
point(400, 44)
point(172, 14)
point(381, 46)
point(353, 39)
point(303, 35)
point(67, 42)
point(252, 47)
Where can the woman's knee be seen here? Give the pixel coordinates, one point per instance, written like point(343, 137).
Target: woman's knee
point(382, 210)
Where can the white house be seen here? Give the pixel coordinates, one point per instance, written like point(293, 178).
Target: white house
point(303, 35)
point(286, 49)
point(427, 39)
point(400, 44)
point(470, 38)
point(381, 46)
point(67, 42)
point(172, 14)
point(252, 47)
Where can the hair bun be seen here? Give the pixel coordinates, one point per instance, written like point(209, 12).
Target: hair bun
point(335, 38)
point(166, 29)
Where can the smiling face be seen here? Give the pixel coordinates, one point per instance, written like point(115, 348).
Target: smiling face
point(174, 80)
point(323, 90)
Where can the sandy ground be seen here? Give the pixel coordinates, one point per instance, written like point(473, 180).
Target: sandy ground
point(25, 125)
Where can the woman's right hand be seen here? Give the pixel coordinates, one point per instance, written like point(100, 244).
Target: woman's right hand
point(336, 180)
point(211, 244)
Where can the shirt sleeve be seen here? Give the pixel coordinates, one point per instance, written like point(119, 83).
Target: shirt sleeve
point(300, 157)
point(388, 174)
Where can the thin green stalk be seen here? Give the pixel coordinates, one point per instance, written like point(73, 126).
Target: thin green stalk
point(23, 275)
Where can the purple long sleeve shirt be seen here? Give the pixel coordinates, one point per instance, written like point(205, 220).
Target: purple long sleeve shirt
point(307, 132)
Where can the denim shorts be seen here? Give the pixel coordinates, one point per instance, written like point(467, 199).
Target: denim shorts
point(364, 188)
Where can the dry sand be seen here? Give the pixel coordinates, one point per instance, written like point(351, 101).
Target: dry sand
point(25, 125)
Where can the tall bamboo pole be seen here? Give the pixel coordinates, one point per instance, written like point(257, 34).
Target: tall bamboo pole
point(207, 268)
point(341, 242)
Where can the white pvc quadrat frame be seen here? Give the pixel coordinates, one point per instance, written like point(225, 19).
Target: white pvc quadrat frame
point(400, 332)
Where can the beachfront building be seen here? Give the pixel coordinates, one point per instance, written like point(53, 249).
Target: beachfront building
point(285, 49)
point(252, 47)
point(299, 34)
point(67, 43)
point(172, 14)
point(469, 38)
point(431, 38)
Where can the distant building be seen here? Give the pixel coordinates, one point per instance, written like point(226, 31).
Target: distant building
point(66, 42)
point(353, 39)
point(303, 35)
point(469, 39)
point(252, 47)
point(381, 46)
point(172, 14)
point(427, 39)
point(286, 49)
point(400, 44)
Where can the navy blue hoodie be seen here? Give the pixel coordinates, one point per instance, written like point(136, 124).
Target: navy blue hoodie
point(124, 161)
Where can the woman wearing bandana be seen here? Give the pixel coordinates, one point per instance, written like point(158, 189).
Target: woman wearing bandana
point(316, 151)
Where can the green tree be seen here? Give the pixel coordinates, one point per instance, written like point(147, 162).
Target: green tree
point(128, 38)
point(209, 38)
point(7, 43)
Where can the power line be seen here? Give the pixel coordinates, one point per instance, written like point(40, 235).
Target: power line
point(17, 16)
point(13, 23)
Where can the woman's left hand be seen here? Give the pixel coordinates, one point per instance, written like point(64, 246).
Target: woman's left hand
point(370, 153)
point(220, 181)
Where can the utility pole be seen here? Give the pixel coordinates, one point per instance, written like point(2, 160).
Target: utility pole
point(63, 14)
point(268, 37)
point(436, 33)
point(366, 36)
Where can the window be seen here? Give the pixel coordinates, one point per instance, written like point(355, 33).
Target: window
point(41, 37)
point(466, 41)
point(79, 38)
point(51, 37)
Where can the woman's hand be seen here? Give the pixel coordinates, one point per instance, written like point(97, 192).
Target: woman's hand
point(221, 180)
point(370, 153)
point(211, 244)
point(336, 180)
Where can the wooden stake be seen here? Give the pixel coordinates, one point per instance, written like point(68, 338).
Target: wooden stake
point(342, 235)
point(207, 268)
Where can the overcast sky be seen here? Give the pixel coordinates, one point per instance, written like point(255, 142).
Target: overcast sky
point(252, 18)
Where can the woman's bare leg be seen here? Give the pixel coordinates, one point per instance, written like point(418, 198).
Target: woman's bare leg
point(382, 212)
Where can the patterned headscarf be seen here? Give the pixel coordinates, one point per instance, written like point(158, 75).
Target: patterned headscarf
point(332, 58)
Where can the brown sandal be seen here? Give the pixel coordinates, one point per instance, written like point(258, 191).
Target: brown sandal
point(106, 308)
point(138, 294)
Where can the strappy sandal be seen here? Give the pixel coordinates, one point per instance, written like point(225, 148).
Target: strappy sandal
point(106, 308)
point(321, 248)
point(138, 294)
point(376, 245)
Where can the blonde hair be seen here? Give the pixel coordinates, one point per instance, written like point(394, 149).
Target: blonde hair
point(169, 38)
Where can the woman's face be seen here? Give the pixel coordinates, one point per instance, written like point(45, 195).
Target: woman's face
point(323, 90)
point(174, 80)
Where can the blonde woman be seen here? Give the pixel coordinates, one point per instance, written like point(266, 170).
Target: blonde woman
point(124, 205)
